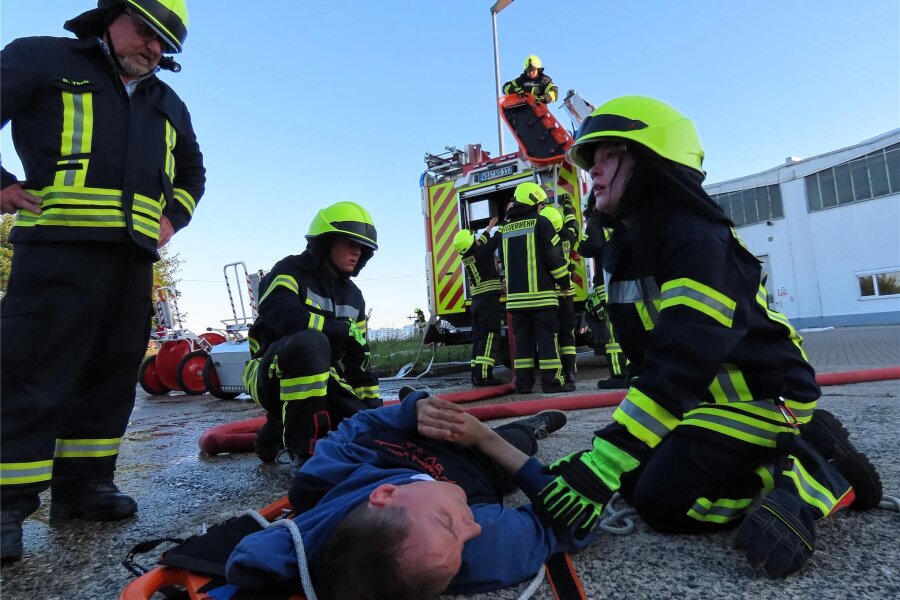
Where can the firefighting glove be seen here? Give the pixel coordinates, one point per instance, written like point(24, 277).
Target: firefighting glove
point(595, 304)
point(356, 334)
point(576, 497)
point(780, 534)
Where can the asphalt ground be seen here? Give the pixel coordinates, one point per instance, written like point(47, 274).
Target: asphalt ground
point(179, 490)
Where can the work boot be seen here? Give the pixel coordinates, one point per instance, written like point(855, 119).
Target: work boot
point(405, 391)
point(91, 501)
point(570, 377)
point(827, 435)
point(613, 383)
point(11, 520)
point(268, 440)
point(524, 388)
point(544, 423)
point(489, 382)
point(558, 389)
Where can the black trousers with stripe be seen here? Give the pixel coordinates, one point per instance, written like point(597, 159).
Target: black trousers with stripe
point(485, 321)
point(75, 327)
point(536, 335)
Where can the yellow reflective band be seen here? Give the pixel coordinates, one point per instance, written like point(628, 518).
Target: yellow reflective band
point(25, 472)
point(285, 281)
point(560, 272)
point(647, 313)
point(254, 345)
point(550, 363)
point(147, 206)
point(171, 138)
point(74, 173)
point(78, 123)
point(766, 476)
point(301, 388)
point(700, 297)
point(811, 491)
point(60, 217)
point(186, 200)
point(722, 510)
point(531, 263)
point(366, 392)
point(363, 326)
point(737, 423)
point(316, 322)
point(249, 378)
point(644, 418)
point(566, 350)
point(524, 363)
point(91, 448)
point(337, 379)
point(781, 320)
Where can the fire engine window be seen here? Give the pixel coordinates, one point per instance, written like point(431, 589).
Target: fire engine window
point(481, 210)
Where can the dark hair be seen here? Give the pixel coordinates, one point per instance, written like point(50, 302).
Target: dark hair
point(362, 560)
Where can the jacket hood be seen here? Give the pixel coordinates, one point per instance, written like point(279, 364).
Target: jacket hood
point(93, 22)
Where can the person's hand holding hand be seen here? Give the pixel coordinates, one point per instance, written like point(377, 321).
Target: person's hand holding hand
point(166, 231)
point(13, 197)
point(442, 420)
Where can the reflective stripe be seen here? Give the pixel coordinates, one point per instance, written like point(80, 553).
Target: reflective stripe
point(363, 326)
point(729, 385)
point(644, 418)
point(566, 350)
point(64, 217)
point(171, 138)
point(811, 491)
point(301, 388)
point(91, 448)
point(285, 281)
point(629, 292)
point(25, 472)
point(523, 363)
point(346, 311)
point(71, 172)
point(337, 379)
point(550, 363)
point(250, 374)
point(321, 301)
point(616, 462)
point(736, 424)
point(777, 317)
point(560, 272)
point(186, 200)
point(648, 313)
point(254, 345)
point(700, 297)
point(766, 474)
point(722, 510)
point(78, 123)
point(366, 392)
point(316, 322)
point(490, 285)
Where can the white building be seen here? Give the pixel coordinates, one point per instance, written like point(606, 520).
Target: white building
point(827, 230)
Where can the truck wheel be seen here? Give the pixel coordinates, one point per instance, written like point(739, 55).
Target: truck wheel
point(211, 380)
point(148, 380)
point(190, 373)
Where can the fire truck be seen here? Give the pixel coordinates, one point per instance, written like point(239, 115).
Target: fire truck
point(465, 188)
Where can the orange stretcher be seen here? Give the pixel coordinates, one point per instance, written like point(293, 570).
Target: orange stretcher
point(541, 138)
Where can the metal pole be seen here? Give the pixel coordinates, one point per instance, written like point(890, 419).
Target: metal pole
point(497, 80)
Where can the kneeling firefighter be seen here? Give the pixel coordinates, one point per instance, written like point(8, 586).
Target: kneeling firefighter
point(310, 357)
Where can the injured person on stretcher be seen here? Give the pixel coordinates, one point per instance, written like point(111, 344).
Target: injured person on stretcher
point(405, 502)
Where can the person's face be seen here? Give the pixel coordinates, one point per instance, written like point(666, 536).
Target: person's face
point(531, 73)
point(137, 46)
point(441, 521)
point(345, 254)
point(610, 172)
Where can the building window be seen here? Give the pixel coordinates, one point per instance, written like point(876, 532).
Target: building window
point(871, 176)
point(754, 205)
point(874, 285)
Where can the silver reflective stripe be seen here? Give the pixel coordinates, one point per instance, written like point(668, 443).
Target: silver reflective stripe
point(629, 292)
point(324, 303)
point(700, 297)
point(804, 485)
point(644, 418)
point(41, 471)
point(728, 423)
point(518, 232)
point(345, 310)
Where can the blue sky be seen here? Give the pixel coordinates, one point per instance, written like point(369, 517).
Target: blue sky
point(300, 104)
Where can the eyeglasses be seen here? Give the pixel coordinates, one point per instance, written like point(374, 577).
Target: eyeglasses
point(142, 29)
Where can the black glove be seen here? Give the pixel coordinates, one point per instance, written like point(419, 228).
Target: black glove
point(781, 534)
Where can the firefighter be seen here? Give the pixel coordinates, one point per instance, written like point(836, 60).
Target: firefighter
point(310, 364)
point(477, 254)
point(592, 246)
point(722, 408)
point(535, 265)
point(533, 81)
point(565, 223)
point(113, 169)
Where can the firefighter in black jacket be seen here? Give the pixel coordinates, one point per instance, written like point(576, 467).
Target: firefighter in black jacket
point(534, 265)
point(722, 408)
point(484, 284)
point(596, 237)
point(311, 361)
point(112, 169)
point(533, 81)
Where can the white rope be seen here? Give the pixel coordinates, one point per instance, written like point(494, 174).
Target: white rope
point(617, 520)
point(890, 503)
point(302, 566)
point(533, 586)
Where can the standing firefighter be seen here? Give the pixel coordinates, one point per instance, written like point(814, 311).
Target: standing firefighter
point(534, 263)
point(310, 365)
point(533, 81)
point(484, 284)
point(722, 406)
point(112, 170)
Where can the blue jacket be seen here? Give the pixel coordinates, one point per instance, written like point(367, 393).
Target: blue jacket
point(344, 470)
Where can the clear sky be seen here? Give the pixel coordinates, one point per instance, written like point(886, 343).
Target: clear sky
point(299, 104)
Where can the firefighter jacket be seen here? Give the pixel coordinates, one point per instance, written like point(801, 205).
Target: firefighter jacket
point(541, 87)
point(106, 165)
point(302, 292)
point(711, 358)
point(533, 260)
point(480, 266)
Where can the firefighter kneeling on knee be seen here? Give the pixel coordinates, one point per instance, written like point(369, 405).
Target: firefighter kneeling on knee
point(310, 364)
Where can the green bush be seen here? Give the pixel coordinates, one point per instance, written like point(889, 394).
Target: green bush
point(389, 354)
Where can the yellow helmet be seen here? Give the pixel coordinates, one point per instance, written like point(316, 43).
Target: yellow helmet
point(647, 121)
point(168, 18)
point(552, 214)
point(347, 219)
point(463, 240)
point(532, 62)
point(530, 194)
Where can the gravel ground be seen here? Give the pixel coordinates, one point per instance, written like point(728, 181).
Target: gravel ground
point(179, 489)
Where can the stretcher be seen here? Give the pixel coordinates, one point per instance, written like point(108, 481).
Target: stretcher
point(541, 138)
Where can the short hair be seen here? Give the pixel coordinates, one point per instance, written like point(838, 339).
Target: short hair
point(362, 560)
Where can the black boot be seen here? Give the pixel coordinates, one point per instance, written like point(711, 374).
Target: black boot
point(11, 519)
point(557, 389)
point(613, 383)
point(827, 435)
point(570, 377)
point(544, 423)
point(405, 391)
point(268, 439)
point(91, 501)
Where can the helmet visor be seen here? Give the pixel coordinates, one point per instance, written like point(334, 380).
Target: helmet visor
point(364, 233)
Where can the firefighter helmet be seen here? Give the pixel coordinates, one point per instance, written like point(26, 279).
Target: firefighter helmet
point(347, 219)
point(530, 194)
point(552, 214)
point(168, 18)
point(463, 240)
point(532, 62)
point(647, 121)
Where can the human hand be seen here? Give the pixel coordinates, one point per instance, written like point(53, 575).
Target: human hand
point(356, 334)
point(13, 198)
point(493, 222)
point(442, 420)
point(166, 231)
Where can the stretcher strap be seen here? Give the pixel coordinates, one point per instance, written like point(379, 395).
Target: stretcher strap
point(563, 579)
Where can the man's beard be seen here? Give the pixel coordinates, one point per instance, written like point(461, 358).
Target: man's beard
point(136, 65)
